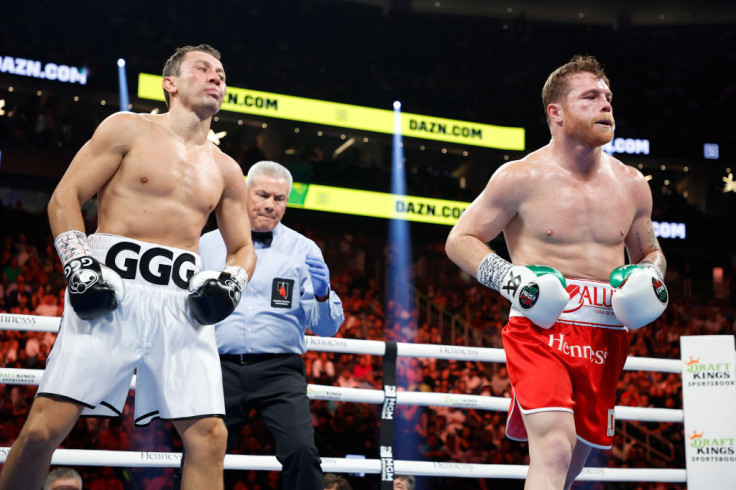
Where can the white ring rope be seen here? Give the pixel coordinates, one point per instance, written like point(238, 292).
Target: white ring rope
point(9, 321)
point(359, 395)
point(136, 459)
point(376, 397)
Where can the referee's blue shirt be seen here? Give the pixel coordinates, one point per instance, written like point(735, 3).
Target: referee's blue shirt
point(278, 303)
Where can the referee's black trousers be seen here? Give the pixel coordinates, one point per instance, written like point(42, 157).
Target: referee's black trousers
point(276, 386)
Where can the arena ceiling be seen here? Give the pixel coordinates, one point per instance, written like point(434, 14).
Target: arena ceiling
point(611, 12)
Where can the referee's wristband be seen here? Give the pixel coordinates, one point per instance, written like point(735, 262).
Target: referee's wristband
point(492, 270)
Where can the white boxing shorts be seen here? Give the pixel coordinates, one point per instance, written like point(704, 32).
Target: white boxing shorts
point(152, 333)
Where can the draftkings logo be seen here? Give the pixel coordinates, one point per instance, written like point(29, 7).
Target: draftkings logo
point(711, 449)
point(19, 378)
point(323, 393)
point(708, 373)
point(460, 401)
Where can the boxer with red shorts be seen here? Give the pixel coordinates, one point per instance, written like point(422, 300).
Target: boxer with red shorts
point(582, 355)
point(580, 213)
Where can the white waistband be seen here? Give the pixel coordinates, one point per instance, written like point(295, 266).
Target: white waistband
point(145, 262)
point(589, 305)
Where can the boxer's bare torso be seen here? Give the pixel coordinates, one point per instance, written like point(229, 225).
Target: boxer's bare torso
point(576, 222)
point(164, 189)
point(568, 205)
point(158, 177)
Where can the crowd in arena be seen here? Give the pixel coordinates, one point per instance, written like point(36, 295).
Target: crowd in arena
point(33, 284)
point(454, 75)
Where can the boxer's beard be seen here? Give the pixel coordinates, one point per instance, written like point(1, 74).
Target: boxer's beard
point(588, 131)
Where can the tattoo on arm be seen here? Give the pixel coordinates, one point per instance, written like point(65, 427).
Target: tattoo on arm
point(639, 245)
point(657, 260)
point(651, 250)
point(652, 237)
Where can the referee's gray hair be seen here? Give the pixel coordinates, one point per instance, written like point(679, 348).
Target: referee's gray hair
point(61, 473)
point(271, 169)
point(408, 479)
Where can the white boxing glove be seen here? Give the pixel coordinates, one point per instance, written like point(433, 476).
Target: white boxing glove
point(537, 291)
point(640, 296)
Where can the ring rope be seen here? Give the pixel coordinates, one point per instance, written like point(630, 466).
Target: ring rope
point(10, 321)
point(376, 397)
point(360, 395)
point(136, 459)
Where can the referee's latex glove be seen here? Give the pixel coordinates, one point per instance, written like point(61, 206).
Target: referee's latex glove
point(320, 275)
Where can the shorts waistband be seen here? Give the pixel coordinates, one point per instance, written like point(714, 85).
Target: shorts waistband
point(252, 358)
point(589, 305)
point(145, 262)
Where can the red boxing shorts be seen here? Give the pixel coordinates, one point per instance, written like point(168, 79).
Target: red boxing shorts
point(574, 366)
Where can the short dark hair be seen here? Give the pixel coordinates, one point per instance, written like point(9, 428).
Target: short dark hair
point(336, 482)
point(173, 64)
point(557, 87)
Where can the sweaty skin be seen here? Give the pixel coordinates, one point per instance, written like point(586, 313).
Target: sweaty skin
point(163, 190)
point(572, 207)
point(158, 177)
point(567, 205)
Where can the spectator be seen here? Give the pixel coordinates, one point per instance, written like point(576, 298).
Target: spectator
point(49, 306)
point(363, 371)
point(113, 438)
point(12, 271)
point(18, 293)
point(404, 482)
point(336, 482)
point(500, 382)
point(106, 480)
point(323, 368)
point(433, 449)
point(347, 380)
point(63, 479)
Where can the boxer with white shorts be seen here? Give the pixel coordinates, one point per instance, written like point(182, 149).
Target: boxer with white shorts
point(178, 367)
point(135, 299)
point(578, 212)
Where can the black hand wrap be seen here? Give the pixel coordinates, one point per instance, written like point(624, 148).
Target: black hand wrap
point(89, 294)
point(213, 296)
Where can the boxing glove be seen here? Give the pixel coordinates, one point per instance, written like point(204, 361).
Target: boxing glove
point(535, 290)
point(213, 295)
point(94, 289)
point(640, 296)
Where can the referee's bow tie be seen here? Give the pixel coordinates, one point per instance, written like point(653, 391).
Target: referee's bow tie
point(265, 237)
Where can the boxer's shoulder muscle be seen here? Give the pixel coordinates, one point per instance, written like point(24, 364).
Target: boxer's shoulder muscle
point(164, 188)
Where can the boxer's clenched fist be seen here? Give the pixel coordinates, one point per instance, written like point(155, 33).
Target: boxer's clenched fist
point(94, 289)
point(214, 295)
point(535, 290)
point(640, 295)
